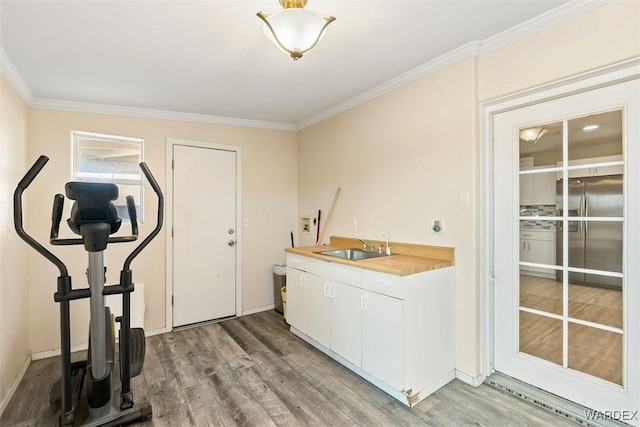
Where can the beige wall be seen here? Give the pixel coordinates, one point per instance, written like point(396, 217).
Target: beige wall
point(406, 156)
point(14, 275)
point(401, 159)
point(268, 199)
point(602, 36)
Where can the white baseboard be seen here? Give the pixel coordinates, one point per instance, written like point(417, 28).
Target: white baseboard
point(56, 352)
point(259, 309)
point(14, 386)
point(472, 381)
point(153, 332)
point(84, 346)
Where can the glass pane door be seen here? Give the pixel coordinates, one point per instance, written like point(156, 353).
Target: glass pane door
point(566, 209)
point(571, 207)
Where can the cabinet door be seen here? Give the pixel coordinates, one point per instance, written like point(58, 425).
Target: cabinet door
point(308, 304)
point(526, 189)
point(295, 298)
point(316, 308)
point(383, 338)
point(542, 251)
point(346, 321)
point(544, 188)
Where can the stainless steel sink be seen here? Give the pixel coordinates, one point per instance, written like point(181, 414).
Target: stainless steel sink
point(351, 254)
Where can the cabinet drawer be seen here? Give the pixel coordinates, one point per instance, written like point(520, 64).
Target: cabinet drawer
point(296, 261)
point(345, 274)
point(537, 235)
point(385, 284)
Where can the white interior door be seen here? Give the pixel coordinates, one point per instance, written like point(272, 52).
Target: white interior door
point(562, 322)
point(204, 234)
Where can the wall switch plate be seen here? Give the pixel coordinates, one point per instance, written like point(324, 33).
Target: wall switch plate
point(245, 223)
point(464, 200)
point(354, 223)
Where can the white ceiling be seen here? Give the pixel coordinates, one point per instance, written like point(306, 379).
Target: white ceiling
point(211, 57)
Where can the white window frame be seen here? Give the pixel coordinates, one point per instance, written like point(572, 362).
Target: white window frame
point(107, 177)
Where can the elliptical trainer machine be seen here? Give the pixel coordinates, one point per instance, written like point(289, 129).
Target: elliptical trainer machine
point(94, 217)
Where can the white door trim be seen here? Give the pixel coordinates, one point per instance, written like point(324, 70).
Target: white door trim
point(606, 76)
point(169, 221)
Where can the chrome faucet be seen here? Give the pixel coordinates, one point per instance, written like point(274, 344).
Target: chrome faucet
point(388, 248)
point(366, 246)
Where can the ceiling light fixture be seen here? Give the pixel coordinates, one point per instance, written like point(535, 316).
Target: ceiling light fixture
point(590, 128)
point(294, 29)
point(532, 134)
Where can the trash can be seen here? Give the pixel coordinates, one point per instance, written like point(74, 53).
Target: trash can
point(283, 291)
point(279, 281)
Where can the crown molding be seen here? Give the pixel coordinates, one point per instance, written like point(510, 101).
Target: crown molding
point(15, 79)
point(83, 107)
point(539, 23)
point(465, 51)
point(552, 17)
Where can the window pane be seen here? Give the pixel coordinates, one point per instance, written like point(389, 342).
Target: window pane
point(541, 293)
point(114, 159)
point(125, 190)
point(596, 352)
point(540, 145)
point(598, 304)
point(595, 136)
point(538, 243)
point(108, 158)
point(541, 336)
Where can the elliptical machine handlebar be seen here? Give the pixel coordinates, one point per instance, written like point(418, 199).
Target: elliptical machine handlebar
point(56, 218)
point(17, 215)
point(160, 217)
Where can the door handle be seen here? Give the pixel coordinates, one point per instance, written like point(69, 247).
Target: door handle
point(231, 243)
point(362, 306)
point(326, 289)
point(331, 294)
point(302, 281)
point(586, 214)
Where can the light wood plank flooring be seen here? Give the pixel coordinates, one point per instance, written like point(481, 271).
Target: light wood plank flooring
point(594, 351)
point(252, 371)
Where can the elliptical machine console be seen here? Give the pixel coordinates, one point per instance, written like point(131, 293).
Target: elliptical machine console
point(95, 218)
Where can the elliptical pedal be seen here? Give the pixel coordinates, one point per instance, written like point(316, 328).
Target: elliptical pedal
point(78, 371)
point(137, 346)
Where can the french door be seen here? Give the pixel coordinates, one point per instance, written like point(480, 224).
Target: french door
point(566, 212)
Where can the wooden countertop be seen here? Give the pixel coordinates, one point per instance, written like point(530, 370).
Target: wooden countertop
point(405, 258)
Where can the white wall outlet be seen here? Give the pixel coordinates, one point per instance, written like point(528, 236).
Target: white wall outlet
point(435, 226)
point(354, 223)
point(245, 223)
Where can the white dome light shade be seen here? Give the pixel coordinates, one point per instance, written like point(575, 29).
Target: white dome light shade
point(297, 29)
point(294, 30)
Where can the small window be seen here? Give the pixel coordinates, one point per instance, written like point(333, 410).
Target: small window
point(115, 159)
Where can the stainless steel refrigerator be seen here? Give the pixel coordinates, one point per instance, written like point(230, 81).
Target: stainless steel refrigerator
point(594, 245)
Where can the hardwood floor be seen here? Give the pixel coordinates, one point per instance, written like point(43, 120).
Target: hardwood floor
point(252, 371)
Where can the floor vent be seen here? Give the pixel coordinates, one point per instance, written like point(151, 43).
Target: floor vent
point(572, 411)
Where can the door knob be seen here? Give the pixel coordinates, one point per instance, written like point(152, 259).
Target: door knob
point(231, 242)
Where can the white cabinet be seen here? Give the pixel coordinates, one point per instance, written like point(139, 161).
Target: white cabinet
point(382, 338)
point(538, 188)
point(537, 246)
point(346, 321)
point(396, 332)
point(595, 170)
point(308, 304)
